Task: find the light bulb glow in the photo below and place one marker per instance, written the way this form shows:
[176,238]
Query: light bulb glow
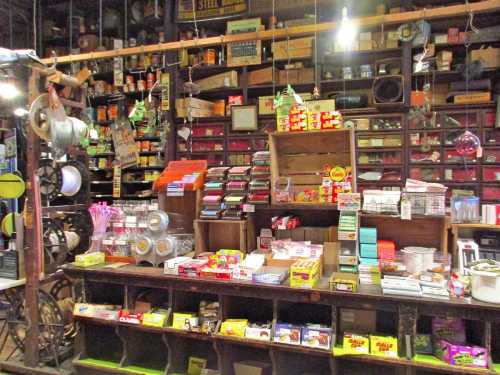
[20,112]
[8,91]
[347,31]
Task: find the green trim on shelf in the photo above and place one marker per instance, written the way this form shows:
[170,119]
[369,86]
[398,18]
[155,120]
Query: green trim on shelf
[338,351]
[496,367]
[432,360]
[116,366]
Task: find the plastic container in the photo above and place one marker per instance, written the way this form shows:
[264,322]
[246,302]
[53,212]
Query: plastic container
[485,282]
[418,259]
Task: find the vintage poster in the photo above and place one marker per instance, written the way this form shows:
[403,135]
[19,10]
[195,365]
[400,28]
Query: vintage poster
[125,148]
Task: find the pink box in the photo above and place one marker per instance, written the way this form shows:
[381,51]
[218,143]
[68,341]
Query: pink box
[462,355]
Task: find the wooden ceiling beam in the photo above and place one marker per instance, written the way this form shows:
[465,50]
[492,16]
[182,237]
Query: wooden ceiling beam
[486,6]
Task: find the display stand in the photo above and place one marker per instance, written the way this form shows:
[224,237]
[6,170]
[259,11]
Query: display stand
[212,235]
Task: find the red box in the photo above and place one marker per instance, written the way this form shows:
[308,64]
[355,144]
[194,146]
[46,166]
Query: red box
[386,249]
[453,35]
[192,268]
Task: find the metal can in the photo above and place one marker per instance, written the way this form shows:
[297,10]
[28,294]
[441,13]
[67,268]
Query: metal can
[141,85]
[209,56]
[101,113]
[145,146]
[129,78]
[113,111]
[143,161]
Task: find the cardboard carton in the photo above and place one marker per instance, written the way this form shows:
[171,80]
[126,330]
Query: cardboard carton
[261,76]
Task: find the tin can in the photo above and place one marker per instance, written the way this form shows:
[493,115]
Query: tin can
[143,161]
[113,111]
[145,146]
[101,113]
[129,78]
[141,85]
[209,56]
[347,72]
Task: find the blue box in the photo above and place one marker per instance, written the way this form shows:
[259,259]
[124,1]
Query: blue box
[368,250]
[368,261]
[367,235]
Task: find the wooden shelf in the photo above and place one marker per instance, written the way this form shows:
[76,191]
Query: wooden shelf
[295,206]
[476,226]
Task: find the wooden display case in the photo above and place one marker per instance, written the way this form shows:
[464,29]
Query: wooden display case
[213,235]
[302,156]
[398,316]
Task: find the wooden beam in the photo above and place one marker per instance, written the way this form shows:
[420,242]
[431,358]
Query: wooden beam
[486,6]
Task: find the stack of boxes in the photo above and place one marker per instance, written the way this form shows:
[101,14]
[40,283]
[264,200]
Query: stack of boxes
[236,189]
[369,268]
[213,193]
[259,187]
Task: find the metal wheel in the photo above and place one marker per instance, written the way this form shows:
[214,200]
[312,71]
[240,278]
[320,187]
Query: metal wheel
[55,248]
[50,179]
[51,325]
[79,222]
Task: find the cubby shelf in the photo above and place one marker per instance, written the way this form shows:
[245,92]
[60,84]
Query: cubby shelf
[280,298]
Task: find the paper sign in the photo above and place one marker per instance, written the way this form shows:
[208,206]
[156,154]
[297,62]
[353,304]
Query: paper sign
[248,208]
[125,146]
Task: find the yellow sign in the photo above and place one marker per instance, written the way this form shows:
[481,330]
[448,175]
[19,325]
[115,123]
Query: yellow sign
[338,174]
[208,9]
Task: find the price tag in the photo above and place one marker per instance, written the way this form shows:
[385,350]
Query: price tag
[142,224]
[107,242]
[248,208]
[121,242]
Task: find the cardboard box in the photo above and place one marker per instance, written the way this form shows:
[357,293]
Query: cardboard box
[385,346]
[199,107]
[473,98]
[261,76]
[444,56]
[293,48]
[344,282]
[222,80]
[266,103]
[317,235]
[365,45]
[489,56]
[356,344]
[305,273]
[361,321]
[317,337]
[252,368]
[286,333]
[196,365]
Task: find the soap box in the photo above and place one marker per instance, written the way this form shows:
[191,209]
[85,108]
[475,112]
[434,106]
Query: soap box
[462,355]
[385,346]
[287,334]
[368,250]
[368,235]
[257,333]
[356,344]
[317,337]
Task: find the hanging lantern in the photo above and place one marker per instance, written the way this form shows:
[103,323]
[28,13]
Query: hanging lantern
[467,143]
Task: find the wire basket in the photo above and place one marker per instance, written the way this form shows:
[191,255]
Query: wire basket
[426,203]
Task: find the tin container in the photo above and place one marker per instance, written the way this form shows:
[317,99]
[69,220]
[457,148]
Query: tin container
[129,78]
[113,111]
[209,56]
[102,113]
[100,88]
[347,72]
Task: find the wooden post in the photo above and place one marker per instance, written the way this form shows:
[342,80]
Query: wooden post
[33,249]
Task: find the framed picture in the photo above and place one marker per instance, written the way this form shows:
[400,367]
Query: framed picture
[244,118]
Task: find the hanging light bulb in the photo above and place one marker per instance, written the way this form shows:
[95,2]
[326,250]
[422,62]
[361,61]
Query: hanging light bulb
[8,90]
[347,31]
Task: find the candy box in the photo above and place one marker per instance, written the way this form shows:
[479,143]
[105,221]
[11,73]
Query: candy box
[90,259]
[356,344]
[192,268]
[305,273]
[216,273]
[449,329]
[171,266]
[156,318]
[184,321]
[107,312]
[344,282]
[287,334]
[258,333]
[128,317]
[234,327]
[423,344]
[317,337]
[385,346]
[462,355]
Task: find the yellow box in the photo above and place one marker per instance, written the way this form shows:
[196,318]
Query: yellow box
[155,319]
[305,273]
[385,346]
[356,344]
[184,320]
[90,259]
[196,365]
[234,327]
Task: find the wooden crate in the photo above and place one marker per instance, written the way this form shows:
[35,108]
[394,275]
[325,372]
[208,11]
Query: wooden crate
[213,235]
[186,207]
[303,155]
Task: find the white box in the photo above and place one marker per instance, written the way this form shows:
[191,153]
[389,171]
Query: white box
[172,265]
